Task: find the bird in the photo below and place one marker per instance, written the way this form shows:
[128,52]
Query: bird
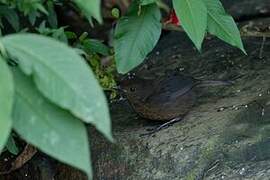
[168,98]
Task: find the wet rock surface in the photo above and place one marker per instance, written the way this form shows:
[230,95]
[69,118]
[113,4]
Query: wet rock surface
[225,136]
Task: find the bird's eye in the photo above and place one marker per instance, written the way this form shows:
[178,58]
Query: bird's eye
[132,89]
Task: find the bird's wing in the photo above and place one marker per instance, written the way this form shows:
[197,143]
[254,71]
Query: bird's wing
[170,88]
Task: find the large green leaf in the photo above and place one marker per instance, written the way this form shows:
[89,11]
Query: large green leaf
[135,36]
[222,25]
[6,102]
[91,8]
[193,17]
[50,128]
[62,76]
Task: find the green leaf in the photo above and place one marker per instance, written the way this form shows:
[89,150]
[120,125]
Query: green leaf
[62,76]
[40,7]
[48,127]
[135,36]
[146,2]
[95,46]
[32,17]
[222,25]
[91,8]
[193,18]
[11,145]
[11,16]
[6,102]
[52,16]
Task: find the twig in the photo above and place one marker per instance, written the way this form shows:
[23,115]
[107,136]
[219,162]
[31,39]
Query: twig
[255,34]
[261,48]
[171,27]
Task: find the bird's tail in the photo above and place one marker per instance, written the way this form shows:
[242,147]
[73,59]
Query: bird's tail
[206,83]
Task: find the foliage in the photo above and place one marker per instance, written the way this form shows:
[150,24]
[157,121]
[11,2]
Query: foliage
[48,75]
[11,146]
[103,68]
[90,9]
[6,100]
[136,35]
[196,17]
[222,25]
[58,33]
[47,126]
[193,15]
[104,74]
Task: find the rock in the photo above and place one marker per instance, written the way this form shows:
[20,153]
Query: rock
[247,9]
[243,9]
[226,136]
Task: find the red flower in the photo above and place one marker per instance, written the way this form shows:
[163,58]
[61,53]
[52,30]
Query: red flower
[172,19]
